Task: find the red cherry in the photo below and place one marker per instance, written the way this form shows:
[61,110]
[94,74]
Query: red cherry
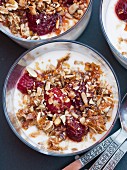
[42,23]
[121,9]
[27,83]
[59,104]
[75,130]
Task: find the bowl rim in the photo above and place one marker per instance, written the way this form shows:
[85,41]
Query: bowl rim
[50,152]
[52,38]
[113,48]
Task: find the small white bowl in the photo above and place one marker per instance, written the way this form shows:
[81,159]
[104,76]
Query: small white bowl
[103,12]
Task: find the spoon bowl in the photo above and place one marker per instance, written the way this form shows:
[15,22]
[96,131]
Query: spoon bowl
[123,113]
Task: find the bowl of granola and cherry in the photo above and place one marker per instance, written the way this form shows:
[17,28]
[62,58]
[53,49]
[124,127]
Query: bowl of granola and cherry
[61,98]
[30,22]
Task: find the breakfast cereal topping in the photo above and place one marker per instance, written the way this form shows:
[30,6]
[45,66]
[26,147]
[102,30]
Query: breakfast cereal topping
[31,19]
[64,103]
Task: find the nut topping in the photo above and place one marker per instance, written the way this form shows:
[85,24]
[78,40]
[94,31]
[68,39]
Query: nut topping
[64,103]
[41,17]
[31,72]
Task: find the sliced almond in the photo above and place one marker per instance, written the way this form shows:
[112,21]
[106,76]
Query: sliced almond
[99,101]
[84,98]
[67,113]
[72,94]
[57,121]
[57,24]
[67,100]
[63,118]
[74,115]
[50,101]
[106,109]
[39,91]
[47,86]
[82,120]
[49,127]
[67,15]
[54,117]
[73,8]
[38,116]
[31,72]
[69,76]
[91,102]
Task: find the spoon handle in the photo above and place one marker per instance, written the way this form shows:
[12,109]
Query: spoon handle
[93,153]
[97,150]
[106,155]
[116,157]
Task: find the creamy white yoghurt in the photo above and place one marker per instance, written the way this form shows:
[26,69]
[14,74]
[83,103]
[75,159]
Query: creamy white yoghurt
[115,29]
[38,138]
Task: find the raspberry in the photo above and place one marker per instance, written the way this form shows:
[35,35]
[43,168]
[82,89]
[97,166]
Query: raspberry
[58,105]
[47,23]
[121,9]
[27,83]
[75,130]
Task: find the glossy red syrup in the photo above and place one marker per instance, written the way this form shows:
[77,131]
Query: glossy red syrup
[42,23]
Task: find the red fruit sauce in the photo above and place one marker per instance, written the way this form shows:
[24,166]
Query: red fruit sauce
[47,23]
[75,130]
[27,83]
[58,97]
[121,9]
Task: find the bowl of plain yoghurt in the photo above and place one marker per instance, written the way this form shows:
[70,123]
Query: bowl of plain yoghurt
[31,22]
[61,98]
[113,17]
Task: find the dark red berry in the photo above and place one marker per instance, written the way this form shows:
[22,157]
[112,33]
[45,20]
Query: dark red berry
[75,130]
[42,23]
[77,100]
[27,82]
[58,98]
[68,2]
[121,9]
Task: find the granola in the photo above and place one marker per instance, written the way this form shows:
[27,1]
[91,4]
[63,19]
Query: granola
[32,19]
[64,103]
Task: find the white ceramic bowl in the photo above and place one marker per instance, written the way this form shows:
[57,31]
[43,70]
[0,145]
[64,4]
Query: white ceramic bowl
[71,34]
[103,12]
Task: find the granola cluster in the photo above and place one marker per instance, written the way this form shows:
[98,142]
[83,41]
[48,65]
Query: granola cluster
[65,104]
[31,19]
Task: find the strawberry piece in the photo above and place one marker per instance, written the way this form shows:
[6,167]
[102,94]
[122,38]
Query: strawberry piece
[75,130]
[27,82]
[58,105]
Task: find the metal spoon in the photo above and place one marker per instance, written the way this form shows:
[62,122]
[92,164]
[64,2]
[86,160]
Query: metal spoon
[106,155]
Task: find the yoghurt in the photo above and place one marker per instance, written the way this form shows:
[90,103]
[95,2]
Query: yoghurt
[43,139]
[116,26]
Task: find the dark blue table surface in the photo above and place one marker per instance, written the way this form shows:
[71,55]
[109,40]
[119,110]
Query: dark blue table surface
[15,155]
